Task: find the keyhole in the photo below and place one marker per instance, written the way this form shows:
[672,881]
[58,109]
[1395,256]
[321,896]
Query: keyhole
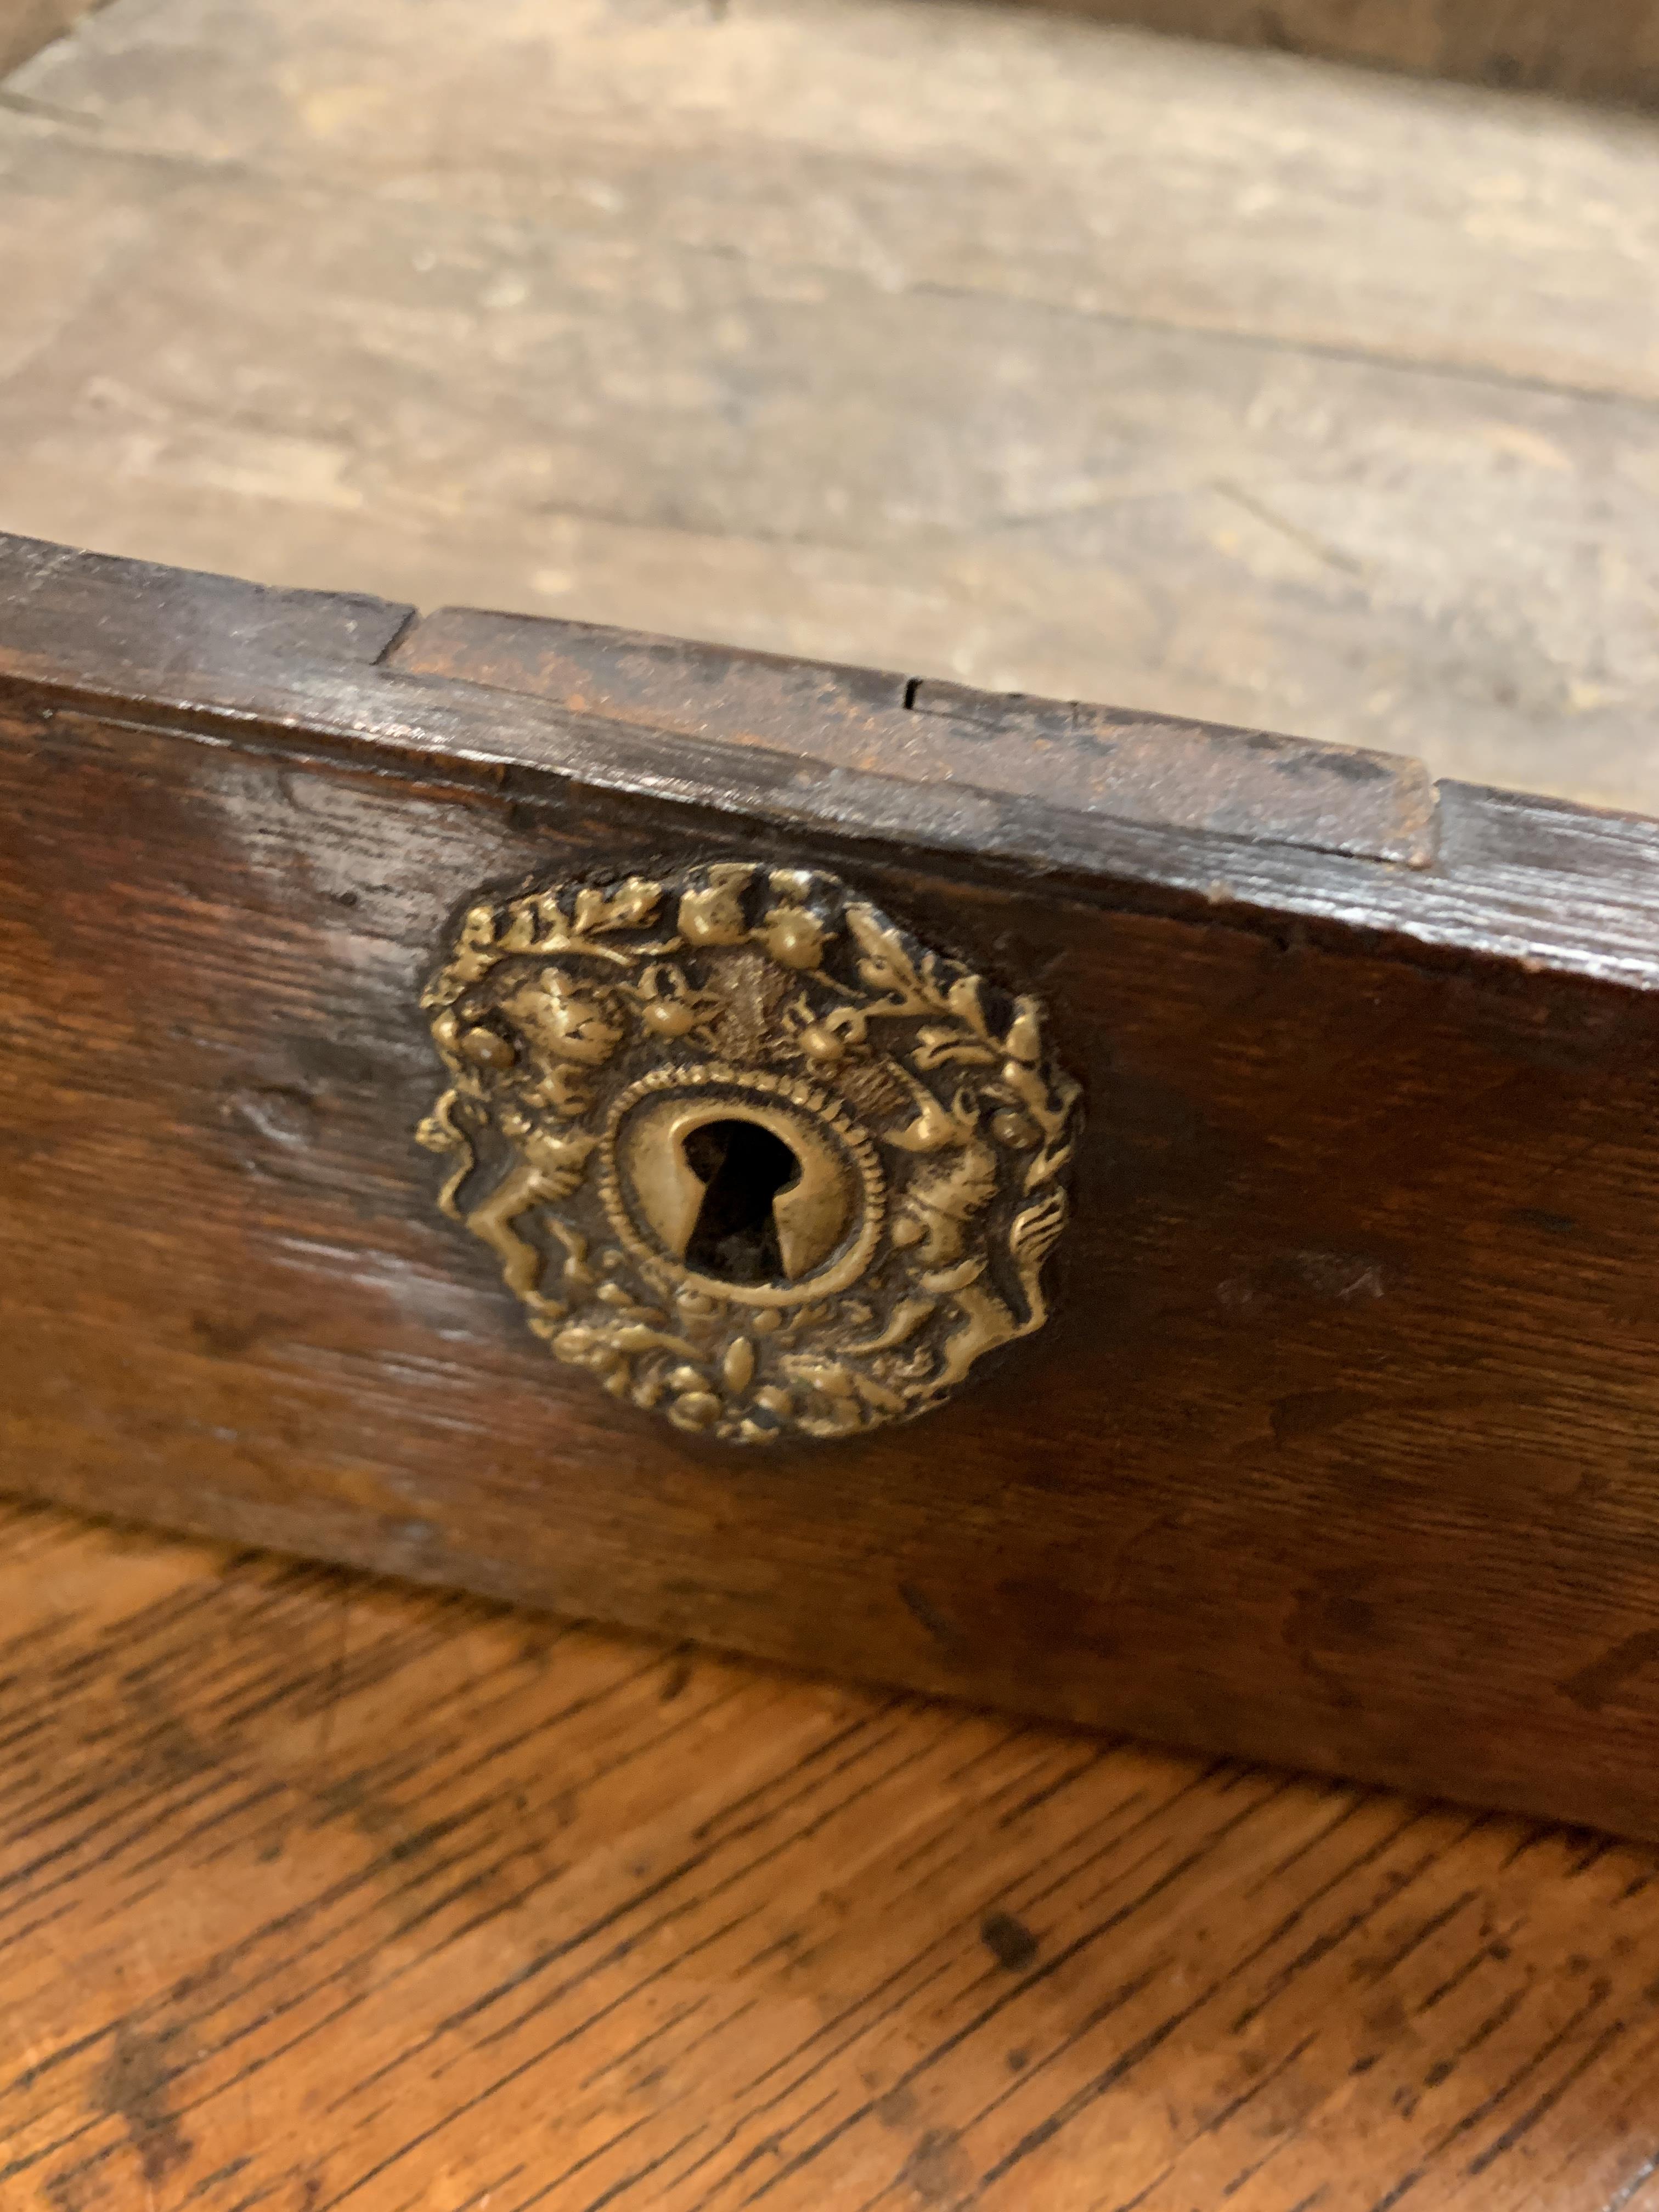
[743,1167]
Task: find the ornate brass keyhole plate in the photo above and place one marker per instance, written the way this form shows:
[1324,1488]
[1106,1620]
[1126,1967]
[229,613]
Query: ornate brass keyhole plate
[746,1149]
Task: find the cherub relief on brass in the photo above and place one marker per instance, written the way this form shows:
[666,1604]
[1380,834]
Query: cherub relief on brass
[744,1148]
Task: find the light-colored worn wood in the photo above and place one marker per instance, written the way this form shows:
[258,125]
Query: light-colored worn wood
[981,345]
[916,148]
[316,1891]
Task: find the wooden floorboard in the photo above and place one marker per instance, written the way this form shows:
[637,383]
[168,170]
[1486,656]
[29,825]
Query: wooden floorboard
[316,1891]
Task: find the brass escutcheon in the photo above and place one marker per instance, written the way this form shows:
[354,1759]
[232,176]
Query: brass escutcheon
[744,1148]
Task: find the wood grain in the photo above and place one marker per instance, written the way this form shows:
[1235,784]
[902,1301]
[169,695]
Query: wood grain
[319,1893]
[1337,1450]
[1026,353]
[1124,767]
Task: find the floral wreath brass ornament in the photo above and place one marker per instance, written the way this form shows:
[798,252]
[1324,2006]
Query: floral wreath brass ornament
[744,1148]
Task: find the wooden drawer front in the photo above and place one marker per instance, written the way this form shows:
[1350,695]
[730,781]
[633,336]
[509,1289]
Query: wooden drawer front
[1339,1448]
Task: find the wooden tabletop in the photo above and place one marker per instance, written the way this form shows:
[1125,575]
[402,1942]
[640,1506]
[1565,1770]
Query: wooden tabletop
[322,1892]
[970,341]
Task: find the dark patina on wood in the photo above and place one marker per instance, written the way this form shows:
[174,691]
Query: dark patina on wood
[1606,50]
[1339,1448]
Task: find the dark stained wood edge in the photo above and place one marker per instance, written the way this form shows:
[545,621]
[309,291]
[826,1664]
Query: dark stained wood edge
[1167,772]
[1608,49]
[48,591]
[1539,884]
[27,26]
